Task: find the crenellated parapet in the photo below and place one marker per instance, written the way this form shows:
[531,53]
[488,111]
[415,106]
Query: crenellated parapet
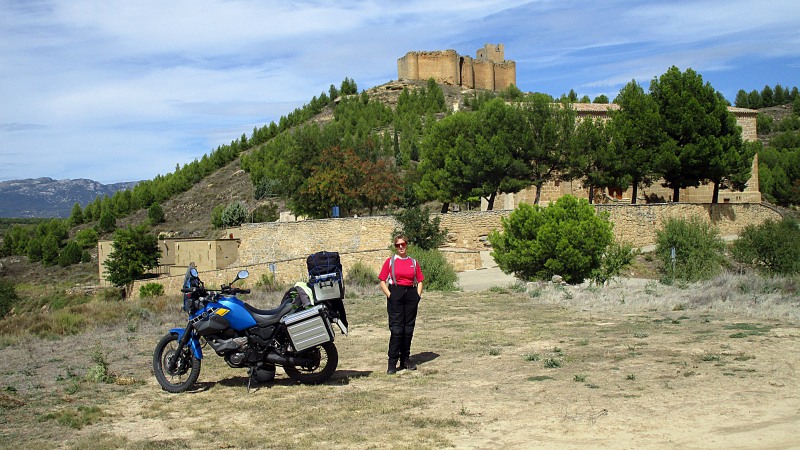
[488,70]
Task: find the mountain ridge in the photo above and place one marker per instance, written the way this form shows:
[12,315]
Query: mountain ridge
[46,197]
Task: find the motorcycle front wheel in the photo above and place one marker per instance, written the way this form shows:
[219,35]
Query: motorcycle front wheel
[186,371]
[326,358]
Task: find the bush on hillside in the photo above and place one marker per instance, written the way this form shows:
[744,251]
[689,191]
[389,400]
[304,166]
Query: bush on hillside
[566,238]
[151,290]
[8,297]
[439,274]
[361,274]
[773,247]
[234,215]
[698,249]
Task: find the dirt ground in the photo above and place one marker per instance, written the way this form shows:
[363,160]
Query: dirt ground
[633,365]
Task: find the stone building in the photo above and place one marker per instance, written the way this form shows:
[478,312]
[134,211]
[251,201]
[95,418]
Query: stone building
[488,70]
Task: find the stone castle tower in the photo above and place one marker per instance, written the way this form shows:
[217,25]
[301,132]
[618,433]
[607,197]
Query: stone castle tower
[488,70]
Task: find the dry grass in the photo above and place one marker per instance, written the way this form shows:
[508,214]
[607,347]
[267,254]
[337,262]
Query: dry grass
[636,364]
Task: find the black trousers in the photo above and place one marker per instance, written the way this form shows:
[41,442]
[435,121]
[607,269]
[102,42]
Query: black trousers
[402,308]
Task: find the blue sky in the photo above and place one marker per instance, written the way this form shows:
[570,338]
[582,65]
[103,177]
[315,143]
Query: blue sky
[125,90]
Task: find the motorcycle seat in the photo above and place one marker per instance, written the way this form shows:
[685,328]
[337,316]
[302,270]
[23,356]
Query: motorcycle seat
[266,317]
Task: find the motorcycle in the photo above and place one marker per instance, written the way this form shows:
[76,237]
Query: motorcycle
[297,335]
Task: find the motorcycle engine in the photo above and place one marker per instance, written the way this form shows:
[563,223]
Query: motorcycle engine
[236,358]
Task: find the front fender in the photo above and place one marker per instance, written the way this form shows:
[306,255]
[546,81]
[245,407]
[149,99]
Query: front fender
[194,342]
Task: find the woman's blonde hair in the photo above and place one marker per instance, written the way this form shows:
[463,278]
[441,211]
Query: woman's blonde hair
[398,237]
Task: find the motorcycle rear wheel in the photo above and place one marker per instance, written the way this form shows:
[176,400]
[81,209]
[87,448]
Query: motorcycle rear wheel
[326,357]
[186,372]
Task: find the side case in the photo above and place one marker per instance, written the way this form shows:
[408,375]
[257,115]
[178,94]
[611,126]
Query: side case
[308,328]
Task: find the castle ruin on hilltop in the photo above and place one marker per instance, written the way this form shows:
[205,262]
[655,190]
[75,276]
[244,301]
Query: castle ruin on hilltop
[488,70]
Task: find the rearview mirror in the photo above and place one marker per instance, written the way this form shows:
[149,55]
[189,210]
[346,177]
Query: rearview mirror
[242,274]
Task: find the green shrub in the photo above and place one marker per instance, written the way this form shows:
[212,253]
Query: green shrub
[439,274]
[698,249]
[615,259]
[419,228]
[70,254]
[234,215]
[269,283]
[8,297]
[266,213]
[216,216]
[566,238]
[151,290]
[773,247]
[361,274]
[155,214]
[86,238]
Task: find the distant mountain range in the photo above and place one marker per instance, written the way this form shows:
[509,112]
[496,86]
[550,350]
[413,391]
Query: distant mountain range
[49,198]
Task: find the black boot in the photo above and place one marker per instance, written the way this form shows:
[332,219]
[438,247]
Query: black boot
[392,366]
[406,363]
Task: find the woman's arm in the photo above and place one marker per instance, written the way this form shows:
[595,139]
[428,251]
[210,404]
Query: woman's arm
[385,289]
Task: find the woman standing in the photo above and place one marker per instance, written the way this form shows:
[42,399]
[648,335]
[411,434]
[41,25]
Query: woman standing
[401,281]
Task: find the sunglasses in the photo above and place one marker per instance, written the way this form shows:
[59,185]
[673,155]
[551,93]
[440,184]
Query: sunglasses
[401,244]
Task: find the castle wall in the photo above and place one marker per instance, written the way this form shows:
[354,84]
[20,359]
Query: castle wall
[505,74]
[442,66]
[467,72]
[408,66]
[489,70]
[484,74]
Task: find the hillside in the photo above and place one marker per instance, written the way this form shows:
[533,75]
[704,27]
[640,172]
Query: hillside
[189,214]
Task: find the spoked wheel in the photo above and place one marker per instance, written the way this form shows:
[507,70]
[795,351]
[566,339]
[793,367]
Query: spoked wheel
[186,371]
[326,358]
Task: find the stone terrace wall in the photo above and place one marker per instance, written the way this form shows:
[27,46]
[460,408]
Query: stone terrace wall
[286,245]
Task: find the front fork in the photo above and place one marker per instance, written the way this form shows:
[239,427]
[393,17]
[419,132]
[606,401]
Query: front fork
[185,336]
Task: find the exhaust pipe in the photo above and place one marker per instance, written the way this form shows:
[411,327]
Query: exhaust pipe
[280,360]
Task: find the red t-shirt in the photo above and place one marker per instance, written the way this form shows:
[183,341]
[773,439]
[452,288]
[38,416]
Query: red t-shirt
[403,270]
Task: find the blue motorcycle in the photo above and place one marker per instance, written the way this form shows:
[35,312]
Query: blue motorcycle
[297,335]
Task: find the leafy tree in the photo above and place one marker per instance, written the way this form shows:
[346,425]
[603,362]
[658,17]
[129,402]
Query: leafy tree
[592,159]
[107,223]
[547,140]
[349,87]
[135,251]
[566,238]
[475,154]
[703,141]
[76,216]
[421,231]
[234,215]
[155,214]
[86,238]
[638,136]
[773,247]
[70,254]
[8,297]
[216,216]
[602,98]
[34,250]
[50,250]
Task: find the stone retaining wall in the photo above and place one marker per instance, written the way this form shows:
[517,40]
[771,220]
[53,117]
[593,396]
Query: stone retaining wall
[285,246]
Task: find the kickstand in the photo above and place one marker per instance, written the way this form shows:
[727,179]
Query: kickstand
[250,373]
